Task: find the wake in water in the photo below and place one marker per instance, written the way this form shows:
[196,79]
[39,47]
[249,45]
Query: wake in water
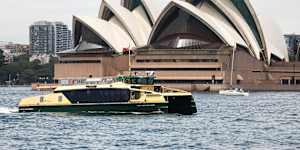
[8,110]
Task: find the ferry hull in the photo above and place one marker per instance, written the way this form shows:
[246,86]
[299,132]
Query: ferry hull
[107,108]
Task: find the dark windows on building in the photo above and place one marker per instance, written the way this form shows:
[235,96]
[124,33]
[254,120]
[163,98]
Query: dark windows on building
[175,60]
[84,34]
[91,37]
[180,30]
[291,81]
[80,61]
[176,69]
[189,81]
[285,82]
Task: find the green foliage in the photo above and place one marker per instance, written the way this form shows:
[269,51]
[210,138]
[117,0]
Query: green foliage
[2,57]
[23,72]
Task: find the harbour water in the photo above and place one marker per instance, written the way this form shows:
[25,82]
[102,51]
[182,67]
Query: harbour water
[264,120]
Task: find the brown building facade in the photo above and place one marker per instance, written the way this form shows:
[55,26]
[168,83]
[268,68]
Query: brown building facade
[193,70]
[76,68]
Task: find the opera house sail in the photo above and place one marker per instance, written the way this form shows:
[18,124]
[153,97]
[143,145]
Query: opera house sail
[189,44]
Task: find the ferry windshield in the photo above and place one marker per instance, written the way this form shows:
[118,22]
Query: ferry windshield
[137,80]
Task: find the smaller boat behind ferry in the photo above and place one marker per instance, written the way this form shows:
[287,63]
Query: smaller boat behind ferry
[125,94]
[234,92]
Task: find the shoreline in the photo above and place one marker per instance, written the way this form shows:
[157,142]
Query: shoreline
[15,85]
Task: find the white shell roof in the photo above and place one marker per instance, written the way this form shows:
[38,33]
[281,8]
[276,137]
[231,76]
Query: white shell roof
[254,15]
[275,43]
[132,28]
[206,15]
[236,18]
[155,7]
[112,34]
[138,31]
[223,24]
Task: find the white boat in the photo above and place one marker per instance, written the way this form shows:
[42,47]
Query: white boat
[234,92]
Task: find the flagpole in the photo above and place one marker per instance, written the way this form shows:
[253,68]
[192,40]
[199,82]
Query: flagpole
[232,65]
[129,59]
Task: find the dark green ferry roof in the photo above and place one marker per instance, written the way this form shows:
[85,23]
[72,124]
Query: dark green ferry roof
[133,79]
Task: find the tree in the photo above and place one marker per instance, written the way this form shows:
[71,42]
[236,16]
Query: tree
[28,76]
[2,57]
[22,71]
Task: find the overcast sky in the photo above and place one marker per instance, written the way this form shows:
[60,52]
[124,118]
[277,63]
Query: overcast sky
[17,15]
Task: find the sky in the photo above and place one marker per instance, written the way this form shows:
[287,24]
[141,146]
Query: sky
[17,15]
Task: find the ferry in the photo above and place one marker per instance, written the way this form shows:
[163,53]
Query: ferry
[126,94]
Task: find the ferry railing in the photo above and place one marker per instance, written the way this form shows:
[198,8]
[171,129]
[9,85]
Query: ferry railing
[103,80]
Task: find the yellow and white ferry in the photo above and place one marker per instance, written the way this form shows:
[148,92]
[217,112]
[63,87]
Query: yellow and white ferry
[127,94]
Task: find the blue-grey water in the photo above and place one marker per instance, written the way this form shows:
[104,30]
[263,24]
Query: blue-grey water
[264,120]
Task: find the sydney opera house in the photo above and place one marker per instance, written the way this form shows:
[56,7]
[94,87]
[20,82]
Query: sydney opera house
[191,44]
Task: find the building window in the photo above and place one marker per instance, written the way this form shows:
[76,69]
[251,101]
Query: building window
[298,82]
[285,82]
[292,81]
[80,61]
[189,81]
[176,69]
[175,60]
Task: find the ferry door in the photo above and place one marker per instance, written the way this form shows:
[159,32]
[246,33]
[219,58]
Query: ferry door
[135,95]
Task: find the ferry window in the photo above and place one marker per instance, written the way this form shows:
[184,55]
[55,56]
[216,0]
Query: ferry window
[60,98]
[98,95]
[142,81]
[41,99]
[135,95]
[134,81]
[157,89]
[151,81]
[88,92]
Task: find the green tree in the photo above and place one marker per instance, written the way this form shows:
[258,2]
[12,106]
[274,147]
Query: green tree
[21,71]
[28,76]
[2,57]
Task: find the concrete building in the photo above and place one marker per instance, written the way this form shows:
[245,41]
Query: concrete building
[17,49]
[293,44]
[63,37]
[43,58]
[12,50]
[8,57]
[193,44]
[42,39]
[49,37]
